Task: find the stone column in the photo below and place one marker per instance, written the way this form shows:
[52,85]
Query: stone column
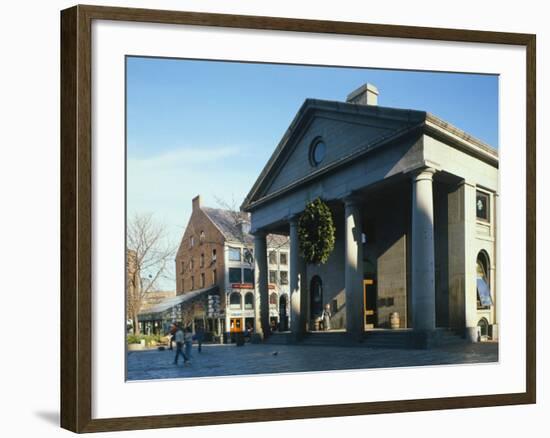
[354,267]
[470,261]
[297,272]
[423,272]
[261,285]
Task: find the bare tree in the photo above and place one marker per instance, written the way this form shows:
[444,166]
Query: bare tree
[149,258]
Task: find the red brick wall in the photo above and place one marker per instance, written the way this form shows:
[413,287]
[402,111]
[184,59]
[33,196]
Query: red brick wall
[213,239]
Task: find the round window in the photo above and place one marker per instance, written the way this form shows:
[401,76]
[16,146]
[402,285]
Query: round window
[318,152]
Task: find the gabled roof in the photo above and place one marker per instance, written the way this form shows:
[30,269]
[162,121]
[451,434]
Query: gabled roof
[410,121]
[227,222]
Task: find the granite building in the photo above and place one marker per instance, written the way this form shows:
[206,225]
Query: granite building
[415,202]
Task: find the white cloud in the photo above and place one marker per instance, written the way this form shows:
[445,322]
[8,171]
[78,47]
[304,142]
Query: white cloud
[182,158]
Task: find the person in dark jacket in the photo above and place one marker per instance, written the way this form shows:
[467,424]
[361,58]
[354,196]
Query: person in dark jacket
[199,336]
[180,339]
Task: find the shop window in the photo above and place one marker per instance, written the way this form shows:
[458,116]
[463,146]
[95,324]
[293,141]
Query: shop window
[235,300]
[235,275]
[249,301]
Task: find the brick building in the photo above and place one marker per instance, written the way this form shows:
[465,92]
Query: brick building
[215,260]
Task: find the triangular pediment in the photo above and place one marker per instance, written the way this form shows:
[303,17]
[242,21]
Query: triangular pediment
[345,129]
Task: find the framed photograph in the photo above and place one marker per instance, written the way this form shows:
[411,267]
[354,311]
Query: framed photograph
[285,219]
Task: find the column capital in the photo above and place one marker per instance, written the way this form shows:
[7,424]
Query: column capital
[293,218]
[259,234]
[351,199]
[425,173]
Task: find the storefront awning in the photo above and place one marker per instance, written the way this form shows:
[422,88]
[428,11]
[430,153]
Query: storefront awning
[163,310]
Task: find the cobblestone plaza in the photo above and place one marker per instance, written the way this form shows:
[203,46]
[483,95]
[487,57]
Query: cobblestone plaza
[230,360]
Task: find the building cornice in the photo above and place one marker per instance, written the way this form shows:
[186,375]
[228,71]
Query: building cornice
[422,122]
[460,139]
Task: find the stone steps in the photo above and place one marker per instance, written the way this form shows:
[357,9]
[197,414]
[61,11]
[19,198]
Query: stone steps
[403,339]
[328,338]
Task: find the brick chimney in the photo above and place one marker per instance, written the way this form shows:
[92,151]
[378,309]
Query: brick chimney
[196,202]
[366,94]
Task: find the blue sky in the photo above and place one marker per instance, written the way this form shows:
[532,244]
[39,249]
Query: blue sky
[208,127]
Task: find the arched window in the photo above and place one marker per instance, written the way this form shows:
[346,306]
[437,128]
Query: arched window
[483,329]
[235,300]
[484,299]
[273,299]
[201,237]
[249,300]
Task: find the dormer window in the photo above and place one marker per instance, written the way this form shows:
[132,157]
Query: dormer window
[317,152]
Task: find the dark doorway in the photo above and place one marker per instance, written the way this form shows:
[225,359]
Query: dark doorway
[316,299]
[369,302]
[283,315]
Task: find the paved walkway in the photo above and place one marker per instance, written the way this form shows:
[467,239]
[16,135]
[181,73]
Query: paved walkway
[226,360]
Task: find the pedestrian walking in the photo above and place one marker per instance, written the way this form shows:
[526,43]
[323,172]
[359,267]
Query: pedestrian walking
[325,317]
[180,339]
[199,336]
[188,340]
[171,335]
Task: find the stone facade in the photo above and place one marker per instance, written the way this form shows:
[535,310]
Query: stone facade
[414,200]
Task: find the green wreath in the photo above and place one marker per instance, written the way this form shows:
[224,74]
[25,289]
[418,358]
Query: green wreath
[316,232]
